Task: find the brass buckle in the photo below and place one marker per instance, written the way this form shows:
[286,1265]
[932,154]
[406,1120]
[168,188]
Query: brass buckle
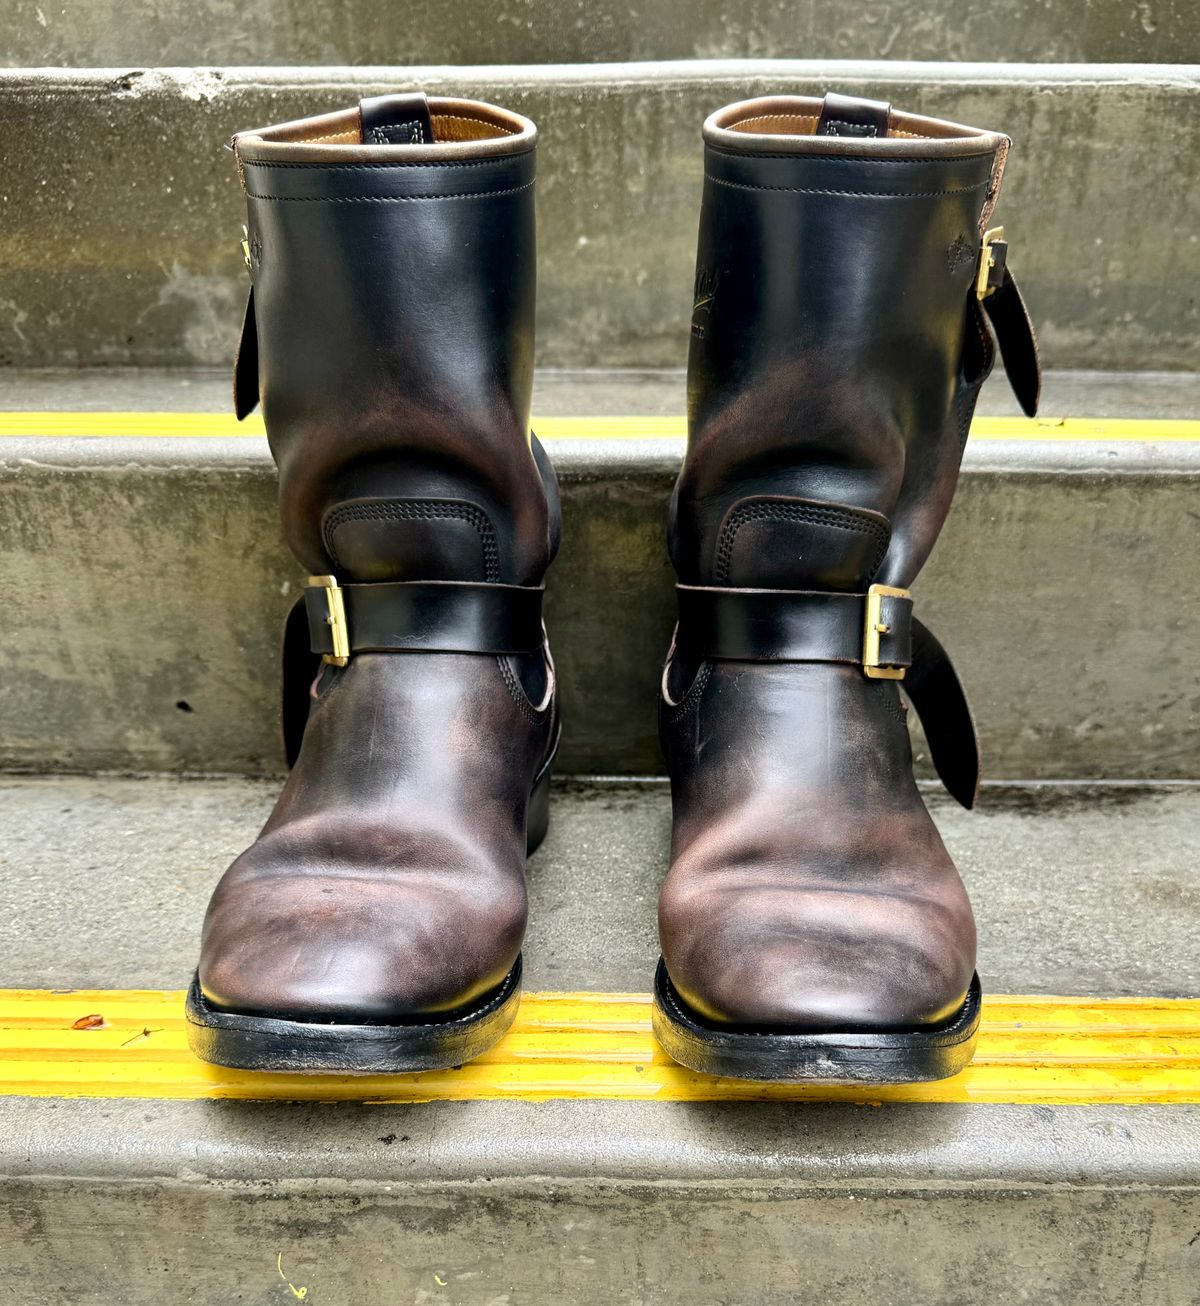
[335,619]
[993,254]
[876,626]
[246,247]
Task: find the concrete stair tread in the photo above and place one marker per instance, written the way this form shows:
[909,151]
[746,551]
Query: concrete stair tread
[582,392]
[1085,890]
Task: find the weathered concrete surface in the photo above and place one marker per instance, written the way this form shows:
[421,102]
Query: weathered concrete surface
[1076,889]
[542,1242]
[708,1204]
[122,247]
[577,392]
[144,584]
[113,32]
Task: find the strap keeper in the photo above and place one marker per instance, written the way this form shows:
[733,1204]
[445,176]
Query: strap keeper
[876,627]
[335,619]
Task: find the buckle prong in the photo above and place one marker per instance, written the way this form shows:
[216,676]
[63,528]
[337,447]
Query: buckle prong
[874,627]
[335,619]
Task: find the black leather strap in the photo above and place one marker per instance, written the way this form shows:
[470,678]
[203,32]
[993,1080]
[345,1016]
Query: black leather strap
[1018,345]
[813,626]
[754,625]
[245,364]
[431,617]
[934,689]
[847,115]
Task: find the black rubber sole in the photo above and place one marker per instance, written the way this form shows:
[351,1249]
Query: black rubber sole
[825,1057]
[244,1042]
[229,1038]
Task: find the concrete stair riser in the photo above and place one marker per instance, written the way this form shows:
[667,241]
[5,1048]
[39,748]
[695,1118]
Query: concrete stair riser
[77,32]
[120,243]
[145,584]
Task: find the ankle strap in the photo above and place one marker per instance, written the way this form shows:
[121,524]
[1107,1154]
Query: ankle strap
[870,630]
[875,630]
[444,616]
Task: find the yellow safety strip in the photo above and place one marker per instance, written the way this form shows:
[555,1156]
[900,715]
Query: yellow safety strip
[1046,1050]
[79,425]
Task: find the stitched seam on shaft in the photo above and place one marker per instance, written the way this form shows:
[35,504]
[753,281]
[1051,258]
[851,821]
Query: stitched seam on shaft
[368,167]
[890,700]
[387,199]
[517,690]
[690,702]
[420,512]
[857,194]
[841,158]
[790,512]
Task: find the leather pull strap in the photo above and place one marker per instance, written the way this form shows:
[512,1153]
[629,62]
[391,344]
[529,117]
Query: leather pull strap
[396,119]
[846,115]
[245,364]
[423,616]
[935,691]
[1018,345]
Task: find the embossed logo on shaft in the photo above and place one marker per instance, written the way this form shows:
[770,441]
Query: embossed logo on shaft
[960,254]
[704,297]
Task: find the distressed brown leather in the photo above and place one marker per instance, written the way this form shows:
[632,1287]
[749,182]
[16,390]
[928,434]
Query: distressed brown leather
[837,351]
[393,289]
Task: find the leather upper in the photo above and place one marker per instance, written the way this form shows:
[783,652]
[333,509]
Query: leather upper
[394,294]
[837,349]
[390,337]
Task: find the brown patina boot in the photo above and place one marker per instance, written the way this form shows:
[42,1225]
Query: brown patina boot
[376,923]
[813,926]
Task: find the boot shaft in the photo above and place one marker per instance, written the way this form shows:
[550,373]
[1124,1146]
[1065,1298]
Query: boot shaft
[837,343]
[392,255]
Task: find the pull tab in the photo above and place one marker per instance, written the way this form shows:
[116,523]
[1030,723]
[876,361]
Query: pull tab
[396,119]
[845,115]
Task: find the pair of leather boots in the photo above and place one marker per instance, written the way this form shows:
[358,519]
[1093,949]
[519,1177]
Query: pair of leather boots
[848,290]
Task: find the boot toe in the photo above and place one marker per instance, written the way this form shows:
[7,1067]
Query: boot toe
[366,948]
[816,959]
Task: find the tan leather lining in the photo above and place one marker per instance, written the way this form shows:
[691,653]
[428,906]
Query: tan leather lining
[787,124]
[463,129]
[460,127]
[783,124]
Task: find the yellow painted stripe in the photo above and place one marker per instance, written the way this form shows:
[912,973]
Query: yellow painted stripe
[83,425]
[599,1045]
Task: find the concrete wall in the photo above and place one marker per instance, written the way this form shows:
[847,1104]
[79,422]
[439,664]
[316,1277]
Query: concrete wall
[115,32]
[119,226]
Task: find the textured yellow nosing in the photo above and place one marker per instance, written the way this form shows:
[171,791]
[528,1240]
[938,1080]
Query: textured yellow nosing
[82,425]
[1044,1050]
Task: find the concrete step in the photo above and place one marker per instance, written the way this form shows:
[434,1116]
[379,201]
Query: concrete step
[1078,890]
[145,582]
[75,32]
[124,250]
